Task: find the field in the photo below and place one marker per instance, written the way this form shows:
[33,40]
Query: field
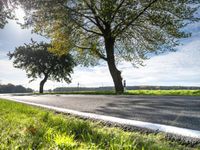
[165,92]
[27,127]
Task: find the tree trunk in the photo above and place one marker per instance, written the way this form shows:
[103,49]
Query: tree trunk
[115,73]
[42,83]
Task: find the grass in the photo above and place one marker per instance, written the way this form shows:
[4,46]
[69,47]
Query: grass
[27,127]
[139,92]
[165,92]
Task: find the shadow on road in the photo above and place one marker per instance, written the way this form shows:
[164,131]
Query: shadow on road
[177,111]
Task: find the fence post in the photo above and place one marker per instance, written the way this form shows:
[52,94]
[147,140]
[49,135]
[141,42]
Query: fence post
[124,85]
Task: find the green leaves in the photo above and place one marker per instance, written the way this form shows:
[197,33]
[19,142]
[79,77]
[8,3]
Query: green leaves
[4,13]
[139,27]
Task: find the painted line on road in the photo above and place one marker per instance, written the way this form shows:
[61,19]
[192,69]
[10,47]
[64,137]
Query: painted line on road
[147,125]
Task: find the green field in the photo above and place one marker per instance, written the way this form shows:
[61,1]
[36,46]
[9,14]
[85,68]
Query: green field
[27,127]
[139,92]
[165,92]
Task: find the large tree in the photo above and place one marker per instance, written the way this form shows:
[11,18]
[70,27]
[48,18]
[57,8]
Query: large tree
[39,62]
[112,30]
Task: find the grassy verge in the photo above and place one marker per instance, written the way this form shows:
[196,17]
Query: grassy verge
[165,92]
[139,92]
[26,127]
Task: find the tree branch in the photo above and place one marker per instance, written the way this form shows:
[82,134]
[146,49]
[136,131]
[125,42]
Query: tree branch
[134,19]
[88,30]
[96,51]
[85,16]
[97,18]
[91,31]
[79,13]
[116,10]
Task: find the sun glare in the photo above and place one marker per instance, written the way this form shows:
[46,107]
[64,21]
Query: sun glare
[19,14]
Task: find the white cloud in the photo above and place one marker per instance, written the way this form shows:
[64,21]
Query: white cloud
[176,68]
[97,76]
[8,74]
[13,36]
[3,54]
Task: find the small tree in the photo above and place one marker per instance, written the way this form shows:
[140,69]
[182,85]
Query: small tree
[39,62]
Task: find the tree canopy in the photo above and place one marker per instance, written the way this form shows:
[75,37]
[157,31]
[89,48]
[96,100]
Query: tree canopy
[6,8]
[112,30]
[3,13]
[37,61]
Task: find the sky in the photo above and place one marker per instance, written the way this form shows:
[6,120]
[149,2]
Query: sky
[180,68]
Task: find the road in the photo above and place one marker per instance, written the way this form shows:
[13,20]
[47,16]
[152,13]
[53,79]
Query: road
[180,111]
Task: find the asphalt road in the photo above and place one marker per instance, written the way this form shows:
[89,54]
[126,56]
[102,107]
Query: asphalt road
[180,111]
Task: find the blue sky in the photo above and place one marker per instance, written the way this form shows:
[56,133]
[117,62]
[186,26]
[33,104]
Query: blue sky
[181,68]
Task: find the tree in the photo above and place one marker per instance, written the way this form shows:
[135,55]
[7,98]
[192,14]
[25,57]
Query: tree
[6,8]
[3,14]
[10,88]
[39,62]
[112,30]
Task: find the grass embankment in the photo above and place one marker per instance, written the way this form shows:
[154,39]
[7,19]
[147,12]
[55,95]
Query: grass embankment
[27,127]
[139,92]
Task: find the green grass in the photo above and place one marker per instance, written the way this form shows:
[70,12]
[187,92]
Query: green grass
[165,92]
[138,92]
[26,127]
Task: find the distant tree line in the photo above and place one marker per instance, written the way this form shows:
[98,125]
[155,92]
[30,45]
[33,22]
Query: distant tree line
[71,89]
[110,88]
[10,88]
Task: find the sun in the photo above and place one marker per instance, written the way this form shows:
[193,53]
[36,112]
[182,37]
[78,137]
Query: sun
[19,14]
